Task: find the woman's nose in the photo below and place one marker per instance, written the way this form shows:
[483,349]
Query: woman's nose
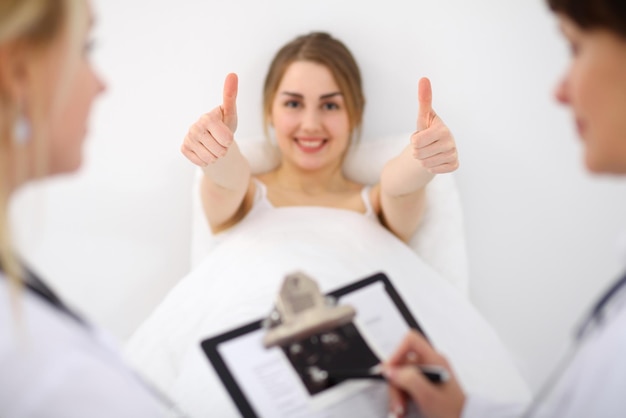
[310,120]
[561,93]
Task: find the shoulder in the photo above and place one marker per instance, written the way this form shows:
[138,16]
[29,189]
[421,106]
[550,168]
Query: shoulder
[600,363]
[39,345]
[26,319]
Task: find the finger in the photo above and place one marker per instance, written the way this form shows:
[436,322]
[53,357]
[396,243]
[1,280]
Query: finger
[416,343]
[191,156]
[212,146]
[397,402]
[406,346]
[410,380]
[220,136]
[436,148]
[446,157]
[444,168]
[201,159]
[229,100]
[208,154]
[431,150]
[421,139]
[425,113]
[212,128]
[438,131]
[209,137]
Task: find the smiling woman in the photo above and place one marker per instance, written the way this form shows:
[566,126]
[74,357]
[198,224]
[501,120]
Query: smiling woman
[313,104]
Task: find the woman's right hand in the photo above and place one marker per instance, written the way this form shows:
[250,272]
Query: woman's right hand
[434,400]
[210,137]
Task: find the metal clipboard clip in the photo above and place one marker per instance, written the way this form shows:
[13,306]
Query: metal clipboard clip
[320,339]
[301,310]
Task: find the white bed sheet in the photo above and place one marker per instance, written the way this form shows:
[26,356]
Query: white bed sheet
[237,283]
[439,240]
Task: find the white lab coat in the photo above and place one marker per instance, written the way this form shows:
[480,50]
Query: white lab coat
[53,366]
[592,383]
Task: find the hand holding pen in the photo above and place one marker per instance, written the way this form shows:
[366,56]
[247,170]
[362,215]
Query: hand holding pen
[408,382]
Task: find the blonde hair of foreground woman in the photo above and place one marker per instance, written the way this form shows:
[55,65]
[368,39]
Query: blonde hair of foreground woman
[41,120]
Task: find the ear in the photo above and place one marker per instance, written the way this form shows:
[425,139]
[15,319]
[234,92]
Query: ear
[13,70]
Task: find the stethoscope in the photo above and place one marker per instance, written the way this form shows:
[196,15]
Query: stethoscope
[610,299]
[32,282]
[602,306]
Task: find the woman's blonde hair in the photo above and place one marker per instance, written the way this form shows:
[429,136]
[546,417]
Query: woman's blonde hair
[32,26]
[320,48]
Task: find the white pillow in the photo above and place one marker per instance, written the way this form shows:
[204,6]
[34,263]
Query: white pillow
[440,239]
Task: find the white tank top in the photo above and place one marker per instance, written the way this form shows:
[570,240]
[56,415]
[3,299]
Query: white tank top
[261,202]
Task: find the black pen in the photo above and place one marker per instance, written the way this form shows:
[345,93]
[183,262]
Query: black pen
[434,373]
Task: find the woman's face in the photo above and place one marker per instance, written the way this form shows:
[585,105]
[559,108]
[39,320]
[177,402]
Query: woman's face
[594,87]
[310,118]
[70,117]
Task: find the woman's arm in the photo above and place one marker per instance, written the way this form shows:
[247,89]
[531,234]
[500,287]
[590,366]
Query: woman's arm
[210,145]
[401,194]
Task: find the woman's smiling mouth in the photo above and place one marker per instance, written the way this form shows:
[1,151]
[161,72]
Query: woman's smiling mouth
[309,144]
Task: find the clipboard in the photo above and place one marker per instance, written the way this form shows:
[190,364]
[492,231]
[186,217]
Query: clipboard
[230,354]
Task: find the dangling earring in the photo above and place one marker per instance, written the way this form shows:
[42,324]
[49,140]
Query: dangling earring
[22,130]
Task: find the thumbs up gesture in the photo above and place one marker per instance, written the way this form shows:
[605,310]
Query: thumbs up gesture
[209,138]
[433,143]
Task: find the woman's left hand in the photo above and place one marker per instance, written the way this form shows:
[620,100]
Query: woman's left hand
[433,143]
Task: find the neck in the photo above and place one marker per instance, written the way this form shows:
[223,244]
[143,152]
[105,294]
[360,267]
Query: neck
[15,168]
[293,178]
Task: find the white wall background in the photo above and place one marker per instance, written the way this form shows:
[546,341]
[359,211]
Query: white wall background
[541,232]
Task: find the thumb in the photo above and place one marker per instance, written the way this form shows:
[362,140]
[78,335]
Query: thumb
[410,380]
[229,100]
[425,114]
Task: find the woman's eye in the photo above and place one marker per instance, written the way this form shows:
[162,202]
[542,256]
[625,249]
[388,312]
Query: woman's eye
[292,104]
[330,106]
